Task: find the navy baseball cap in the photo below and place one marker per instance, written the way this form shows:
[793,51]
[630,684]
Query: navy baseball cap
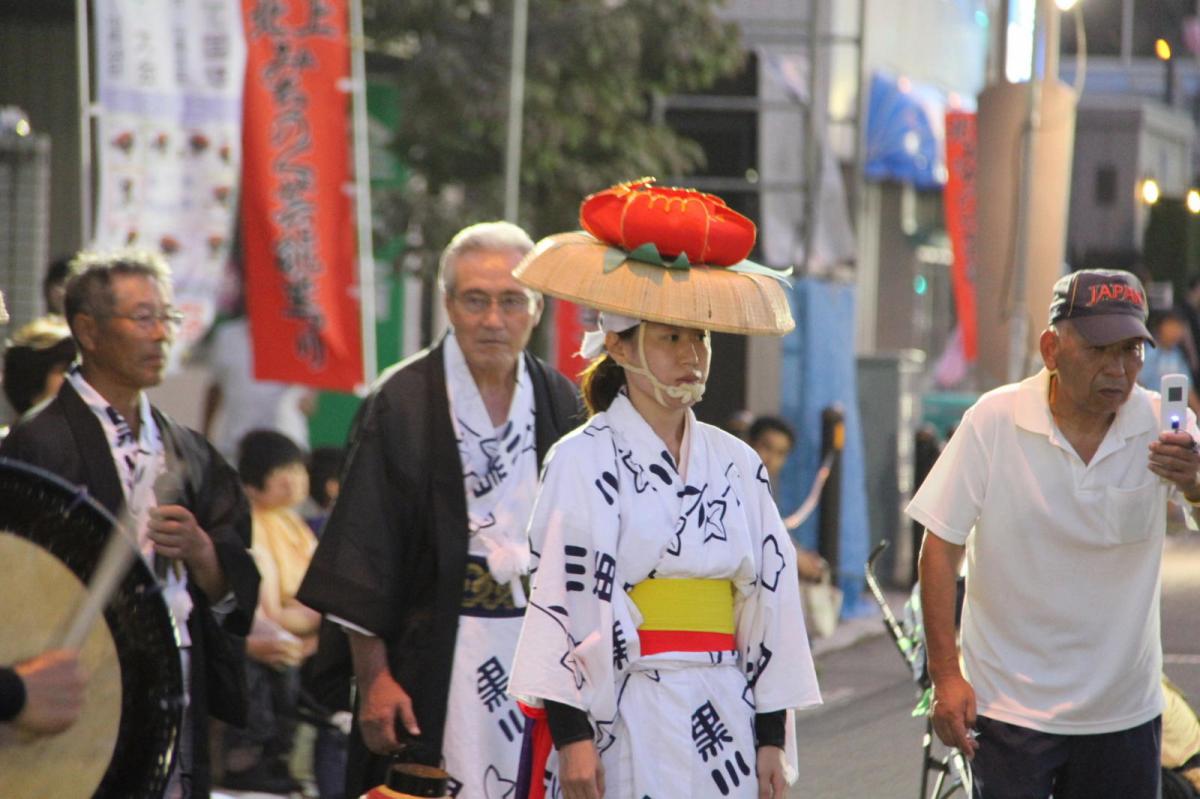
[1104,305]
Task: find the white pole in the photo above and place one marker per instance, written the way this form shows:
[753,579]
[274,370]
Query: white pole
[1001,64]
[516,111]
[814,119]
[1051,16]
[1018,319]
[362,192]
[85,124]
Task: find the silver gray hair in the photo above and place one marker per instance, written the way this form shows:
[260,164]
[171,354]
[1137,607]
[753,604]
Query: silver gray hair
[480,236]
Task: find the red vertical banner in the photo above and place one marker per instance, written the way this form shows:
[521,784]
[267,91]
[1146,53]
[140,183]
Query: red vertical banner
[962,221]
[568,335]
[298,232]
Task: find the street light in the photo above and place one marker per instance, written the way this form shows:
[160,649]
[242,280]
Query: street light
[1162,49]
[1193,201]
[1150,191]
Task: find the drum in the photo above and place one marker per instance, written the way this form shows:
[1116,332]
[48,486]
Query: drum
[123,746]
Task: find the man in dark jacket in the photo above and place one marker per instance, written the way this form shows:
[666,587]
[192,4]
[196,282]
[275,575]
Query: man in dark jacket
[101,432]
[424,555]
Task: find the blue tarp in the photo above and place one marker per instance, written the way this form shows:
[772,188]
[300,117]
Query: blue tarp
[905,132]
[818,370]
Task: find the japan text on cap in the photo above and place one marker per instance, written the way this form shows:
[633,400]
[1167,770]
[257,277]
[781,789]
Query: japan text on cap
[1104,305]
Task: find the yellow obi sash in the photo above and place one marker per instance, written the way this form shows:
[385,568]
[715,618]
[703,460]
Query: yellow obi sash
[684,615]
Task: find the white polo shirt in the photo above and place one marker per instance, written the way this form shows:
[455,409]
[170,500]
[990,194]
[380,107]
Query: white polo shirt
[1060,631]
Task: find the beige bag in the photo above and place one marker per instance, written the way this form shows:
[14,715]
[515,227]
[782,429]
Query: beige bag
[822,602]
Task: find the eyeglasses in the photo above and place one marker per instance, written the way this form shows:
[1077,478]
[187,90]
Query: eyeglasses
[511,304]
[145,319]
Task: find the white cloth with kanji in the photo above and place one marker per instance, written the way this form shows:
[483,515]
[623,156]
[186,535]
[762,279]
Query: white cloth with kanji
[615,509]
[482,739]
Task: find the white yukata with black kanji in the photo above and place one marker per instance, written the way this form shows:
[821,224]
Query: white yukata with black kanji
[484,726]
[614,510]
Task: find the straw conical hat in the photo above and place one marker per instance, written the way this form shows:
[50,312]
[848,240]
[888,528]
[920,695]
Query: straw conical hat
[662,254]
[580,268]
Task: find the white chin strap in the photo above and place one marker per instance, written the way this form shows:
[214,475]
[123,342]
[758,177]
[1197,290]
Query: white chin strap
[688,393]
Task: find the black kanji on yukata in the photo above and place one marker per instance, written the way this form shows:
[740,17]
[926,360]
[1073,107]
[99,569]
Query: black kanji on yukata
[491,682]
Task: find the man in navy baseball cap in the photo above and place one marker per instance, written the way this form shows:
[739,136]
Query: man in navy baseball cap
[1104,305]
[1050,489]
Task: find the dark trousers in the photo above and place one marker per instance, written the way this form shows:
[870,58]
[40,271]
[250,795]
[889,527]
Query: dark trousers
[270,730]
[329,763]
[1018,763]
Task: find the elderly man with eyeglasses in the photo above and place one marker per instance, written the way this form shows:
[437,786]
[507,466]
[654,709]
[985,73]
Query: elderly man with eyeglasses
[424,557]
[192,519]
[1056,491]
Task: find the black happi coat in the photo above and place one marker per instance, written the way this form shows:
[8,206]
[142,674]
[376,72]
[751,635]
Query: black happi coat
[392,557]
[64,437]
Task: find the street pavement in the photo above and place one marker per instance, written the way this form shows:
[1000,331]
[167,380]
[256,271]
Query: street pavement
[864,742]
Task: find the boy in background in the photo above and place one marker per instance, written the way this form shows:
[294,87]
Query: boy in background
[275,477]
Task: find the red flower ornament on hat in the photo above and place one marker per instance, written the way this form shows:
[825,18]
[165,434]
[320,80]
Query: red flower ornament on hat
[675,222]
[669,255]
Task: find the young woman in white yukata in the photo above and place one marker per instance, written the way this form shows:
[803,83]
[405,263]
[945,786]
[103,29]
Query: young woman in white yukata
[664,637]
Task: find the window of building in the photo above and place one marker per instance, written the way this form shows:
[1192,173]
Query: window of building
[1150,20]
[1106,185]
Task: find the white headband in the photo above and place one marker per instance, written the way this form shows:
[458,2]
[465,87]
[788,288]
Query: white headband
[592,345]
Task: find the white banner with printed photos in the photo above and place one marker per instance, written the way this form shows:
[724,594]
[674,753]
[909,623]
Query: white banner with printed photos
[169,88]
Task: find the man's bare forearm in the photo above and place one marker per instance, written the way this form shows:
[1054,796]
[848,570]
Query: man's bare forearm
[939,566]
[369,654]
[205,569]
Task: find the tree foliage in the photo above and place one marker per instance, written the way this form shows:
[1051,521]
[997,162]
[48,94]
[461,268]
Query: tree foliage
[593,68]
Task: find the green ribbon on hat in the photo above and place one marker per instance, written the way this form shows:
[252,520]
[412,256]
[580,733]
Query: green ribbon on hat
[748,267]
[648,253]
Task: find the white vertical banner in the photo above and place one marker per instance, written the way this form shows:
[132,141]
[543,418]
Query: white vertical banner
[169,77]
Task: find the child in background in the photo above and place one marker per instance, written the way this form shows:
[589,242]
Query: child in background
[36,361]
[324,482]
[1169,329]
[773,439]
[275,477]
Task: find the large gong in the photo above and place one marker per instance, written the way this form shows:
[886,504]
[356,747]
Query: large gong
[51,538]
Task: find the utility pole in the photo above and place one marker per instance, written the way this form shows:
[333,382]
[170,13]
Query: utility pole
[516,112]
[1023,193]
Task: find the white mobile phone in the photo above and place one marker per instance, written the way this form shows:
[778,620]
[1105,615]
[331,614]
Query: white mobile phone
[1173,393]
